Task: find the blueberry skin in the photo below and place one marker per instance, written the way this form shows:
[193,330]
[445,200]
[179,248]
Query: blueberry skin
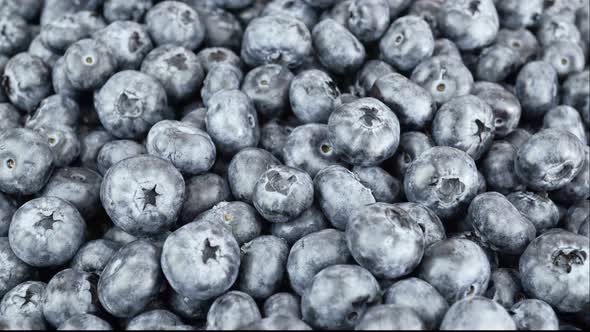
[114,151]
[443,46]
[25,81]
[156,320]
[94,256]
[520,40]
[268,88]
[565,56]
[129,103]
[339,193]
[566,118]
[143,195]
[537,88]
[575,94]
[411,145]
[53,110]
[504,104]
[278,39]
[337,48]
[534,314]
[188,308]
[90,145]
[283,193]
[262,266]
[223,29]
[223,76]
[22,322]
[431,226]
[371,71]
[189,149]
[69,28]
[470,25]
[233,4]
[497,166]
[88,64]
[68,294]
[385,188]
[78,185]
[339,12]
[131,279]
[245,169]
[384,257]
[128,42]
[444,77]
[28,9]
[122,10]
[177,69]
[328,302]
[465,123]
[13,270]
[61,83]
[490,316]
[240,218]
[212,56]
[417,294]
[314,252]
[273,137]
[549,159]
[443,179]
[555,28]
[202,193]
[413,105]
[278,322]
[196,117]
[232,311]
[577,219]
[24,299]
[313,95]
[282,304]
[321,3]
[7,209]
[407,42]
[496,63]
[515,15]
[10,117]
[186,255]
[425,9]
[310,221]
[390,317]
[539,210]
[84,322]
[53,9]
[176,23]
[457,268]
[368,20]
[63,141]
[518,137]
[298,9]
[505,287]
[499,224]
[554,268]
[374,127]
[38,49]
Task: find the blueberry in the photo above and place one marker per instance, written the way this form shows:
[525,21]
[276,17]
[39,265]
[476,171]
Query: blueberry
[385,188]
[310,221]
[534,314]
[54,9]
[88,64]
[278,322]
[416,294]
[223,76]
[55,110]
[539,210]
[397,6]
[321,3]
[470,24]
[128,42]
[504,104]
[262,266]
[497,166]
[576,95]
[337,48]
[407,42]
[24,299]
[273,137]
[176,23]
[16,34]
[339,12]
[313,95]
[9,116]
[223,29]
[444,77]
[143,195]
[431,226]
[554,268]
[298,9]
[232,121]
[566,118]
[390,317]
[329,303]
[85,322]
[577,219]
[520,40]
[413,105]
[565,56]
[537,88]
[119,236]
[68,294]
[505,287]
[462,316]
[282,304]
[240,218]
[46,231]
[555,29]
[202,193]
[518,137]
[245,169]
[312,253]
[114,151]
[122,10]
[541,167]
[212,56]
[28,9]
[339,193]
[399,246]
[156,320]
[496,63]
[201,260]
[232,4]
[22,322]
[129,103]
[25,81]
[445,47]
[231,311]
[94,256]
[425,9]
[7,208]
[368,20]
[38,49]
[371,71]
[268,88]
[68,28]
[13,270]
[90,145]
[63,141]
[411,145]
[61,83]
[189,309]
[196,117]
[77,185]
[277,39]
[515,15]
[3,61]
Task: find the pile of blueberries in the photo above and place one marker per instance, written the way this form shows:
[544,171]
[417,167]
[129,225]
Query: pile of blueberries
[294,164]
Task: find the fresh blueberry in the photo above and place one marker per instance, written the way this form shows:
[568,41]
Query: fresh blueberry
[90,145]
[278,322]
[534,314]
[476,313]
[565,118]
[518,137]
[339,12]
[24,299]
[245,169]
[124,10]
[575,94]
[89,64]
[156,320]
[273,137]
[63,141]
[313,95]
[337,48]
[496,63]
[94,256]
[25,81]
[390,317]
[223,29]
[407,42]
[223,76]
[445,47]
[189,309]
[553,29]
[298,9]
[231,311]
[69,28]
[371,71]
[128,42]
[470,24]
[537,88]
[22,322]
[212,56]
[444,77]
[202,193]
[497,166]
[196,117]
[521,41]
[176,23]
[84,322]
[54,9]
[28,9]
[282,304]
[38,49]
[201,260]
[61,84]
[579,188]
[310,221]
[431,226]
[268,88]
[539,210]
[240,218]
[565,56]
[368,20]
[505,287]
[385,188]
[425,9]
[15,34]
[55,110]
[577,219]
[411,145]
[13,270]
[114,151]
[9,116]
[7,209]
[504,104]
[517,14]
